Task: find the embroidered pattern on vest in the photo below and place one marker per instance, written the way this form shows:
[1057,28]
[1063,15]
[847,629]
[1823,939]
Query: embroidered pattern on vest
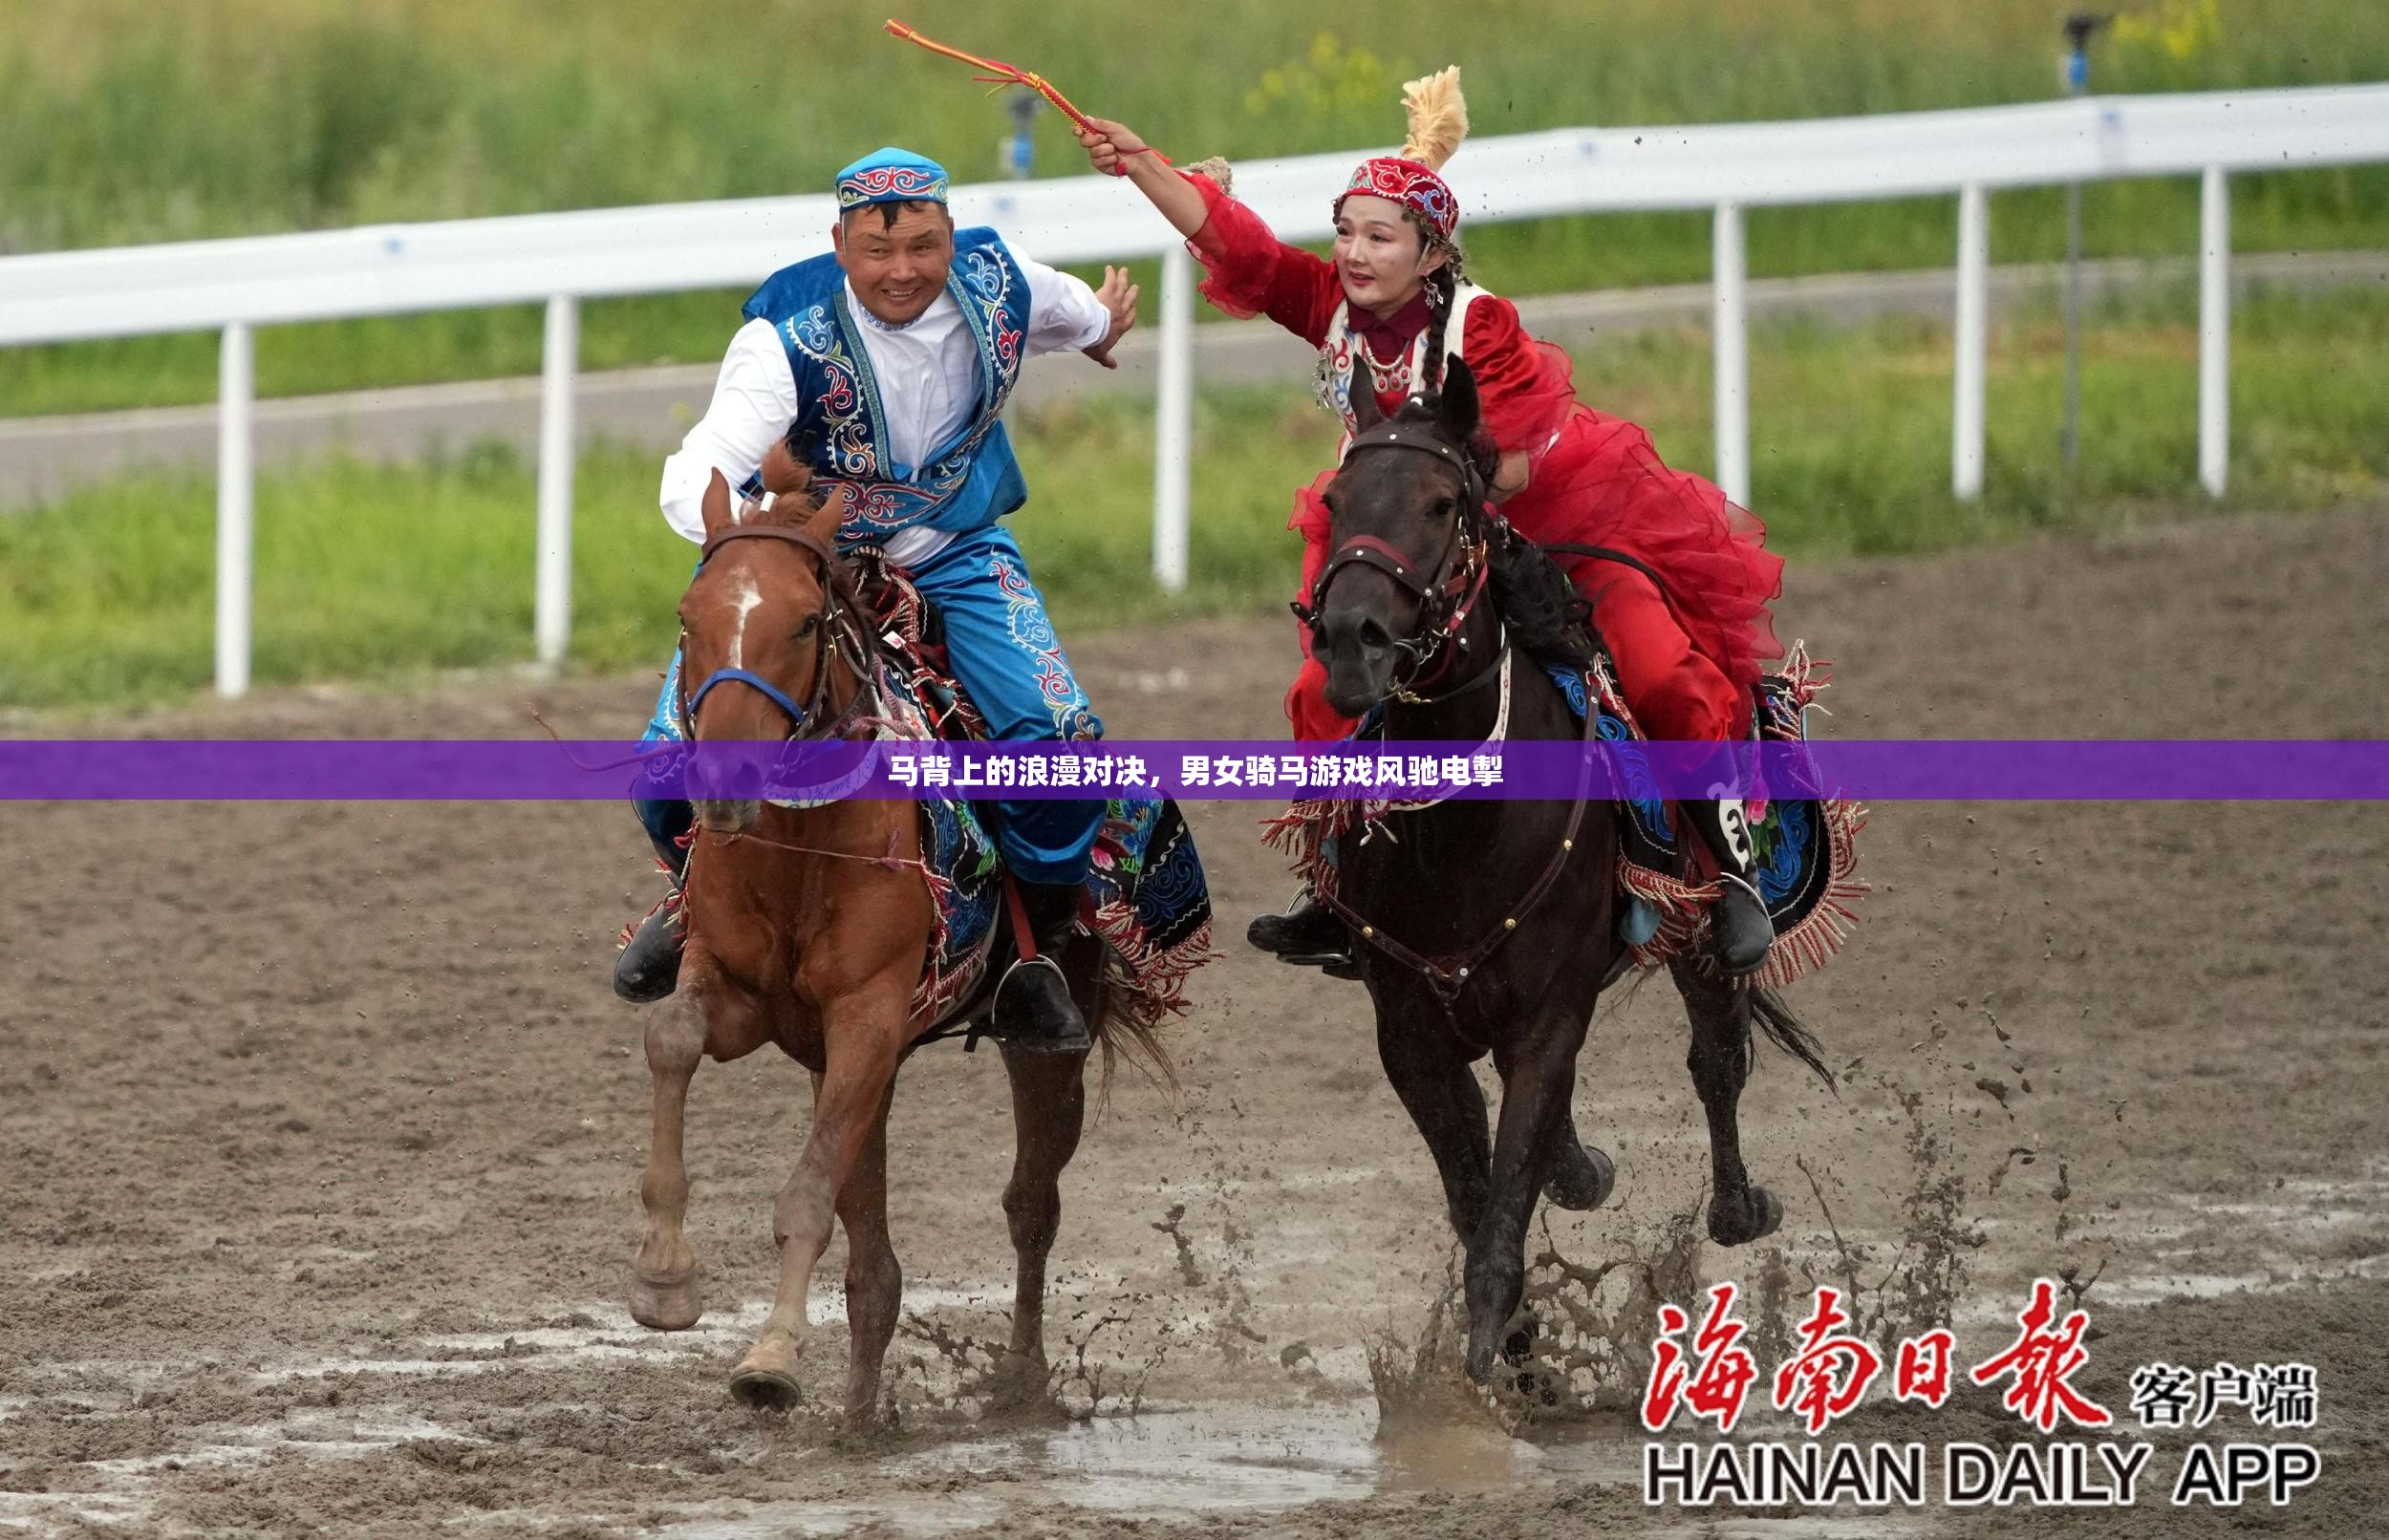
[851,424]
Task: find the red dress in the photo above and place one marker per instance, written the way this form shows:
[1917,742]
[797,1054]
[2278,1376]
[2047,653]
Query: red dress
[1688,657]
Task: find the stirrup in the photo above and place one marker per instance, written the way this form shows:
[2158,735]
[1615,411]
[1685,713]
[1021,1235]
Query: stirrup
[1055,1024]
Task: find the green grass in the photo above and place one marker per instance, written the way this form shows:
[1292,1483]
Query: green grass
[122,122]
[388,572]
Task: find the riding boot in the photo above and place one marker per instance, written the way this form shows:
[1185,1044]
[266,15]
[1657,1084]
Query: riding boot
[1740,929]
[1308,934]
[1033,1005]
[648,966]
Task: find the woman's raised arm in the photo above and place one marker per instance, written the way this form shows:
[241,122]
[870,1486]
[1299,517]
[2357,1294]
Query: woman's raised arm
[1114,150]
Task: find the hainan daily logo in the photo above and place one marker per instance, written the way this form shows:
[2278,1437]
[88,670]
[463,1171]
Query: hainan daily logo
[1705,1373]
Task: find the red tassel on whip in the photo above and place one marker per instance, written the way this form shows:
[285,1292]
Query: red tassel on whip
[1001,74]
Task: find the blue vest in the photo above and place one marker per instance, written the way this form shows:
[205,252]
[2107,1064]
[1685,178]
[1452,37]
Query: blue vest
[970,480]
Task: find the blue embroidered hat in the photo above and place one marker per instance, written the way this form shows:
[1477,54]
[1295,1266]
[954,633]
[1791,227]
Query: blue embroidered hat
[892,175]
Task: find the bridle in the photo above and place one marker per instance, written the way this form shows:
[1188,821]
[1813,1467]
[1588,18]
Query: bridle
[842,638]
[1448,591]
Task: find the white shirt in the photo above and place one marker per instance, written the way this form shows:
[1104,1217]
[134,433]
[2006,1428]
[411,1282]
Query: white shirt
[927,371]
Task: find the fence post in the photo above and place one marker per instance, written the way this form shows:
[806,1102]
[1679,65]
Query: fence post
[1730,335]
[1174,426]
[1973,313]
[2214,330]
[551,592]
[235,505]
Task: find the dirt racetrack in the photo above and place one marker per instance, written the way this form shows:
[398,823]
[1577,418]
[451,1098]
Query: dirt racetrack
[322,1129]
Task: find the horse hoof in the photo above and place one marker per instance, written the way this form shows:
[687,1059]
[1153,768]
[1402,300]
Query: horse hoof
[1581,1178]
[1759,1215]
[1485,1346]
[665,1304]
[767,1390]
[765,1379]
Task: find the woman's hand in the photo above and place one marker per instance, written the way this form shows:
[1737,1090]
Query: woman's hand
[1110,146]
[1509,479]
[1115,150]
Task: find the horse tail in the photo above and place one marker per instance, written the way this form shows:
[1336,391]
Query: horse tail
[1126,1026]
[1776,1020]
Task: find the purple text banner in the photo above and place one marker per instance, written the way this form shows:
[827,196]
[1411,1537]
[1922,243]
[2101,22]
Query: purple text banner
[1984,770]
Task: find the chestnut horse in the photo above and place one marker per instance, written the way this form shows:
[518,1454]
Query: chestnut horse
[1490,927]
[809,929]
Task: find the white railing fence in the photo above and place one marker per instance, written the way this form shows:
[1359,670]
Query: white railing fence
[562,259]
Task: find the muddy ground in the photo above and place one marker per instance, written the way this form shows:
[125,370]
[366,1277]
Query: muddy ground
[322,1129]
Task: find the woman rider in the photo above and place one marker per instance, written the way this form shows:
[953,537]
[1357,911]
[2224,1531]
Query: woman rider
[1685,622]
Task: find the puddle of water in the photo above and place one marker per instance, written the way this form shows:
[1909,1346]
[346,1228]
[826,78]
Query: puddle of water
[726,1329]
[1726,1526]
[2283,1228]
[307,1431]
[1181,1463]
[2157,1286]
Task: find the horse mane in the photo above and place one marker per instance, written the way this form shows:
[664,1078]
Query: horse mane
[792,511]
[1545,613]
[783,472]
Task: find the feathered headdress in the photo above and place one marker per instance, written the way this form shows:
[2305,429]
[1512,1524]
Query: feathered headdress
[1438,116]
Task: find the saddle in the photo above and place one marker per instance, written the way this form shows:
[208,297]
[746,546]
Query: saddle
[1146,899]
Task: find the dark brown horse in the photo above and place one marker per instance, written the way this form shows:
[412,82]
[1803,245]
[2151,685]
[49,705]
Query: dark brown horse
[809,929]
[1492,925]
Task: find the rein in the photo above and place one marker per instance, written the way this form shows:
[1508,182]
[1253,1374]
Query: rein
[889,862]
[1449,978]
[840,638]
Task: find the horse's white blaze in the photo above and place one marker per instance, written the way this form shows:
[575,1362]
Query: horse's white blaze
[747,598]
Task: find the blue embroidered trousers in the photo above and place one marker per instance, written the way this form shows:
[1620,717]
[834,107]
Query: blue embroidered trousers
[1004,652]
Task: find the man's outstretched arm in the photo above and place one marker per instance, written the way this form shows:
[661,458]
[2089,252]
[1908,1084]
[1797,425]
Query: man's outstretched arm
[1065,312]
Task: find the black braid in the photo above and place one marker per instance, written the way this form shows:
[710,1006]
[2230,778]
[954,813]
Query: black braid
[1443,292]
[1440,295]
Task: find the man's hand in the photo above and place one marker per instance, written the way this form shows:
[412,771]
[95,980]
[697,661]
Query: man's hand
[1118,296]
[1108,145]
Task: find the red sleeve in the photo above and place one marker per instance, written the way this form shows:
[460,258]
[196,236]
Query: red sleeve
[1252,272]
[1526,388]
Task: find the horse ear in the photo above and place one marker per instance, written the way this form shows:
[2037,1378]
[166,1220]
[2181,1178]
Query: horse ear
[1366,414]
[1456,408]
[828,513]
[716,505]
